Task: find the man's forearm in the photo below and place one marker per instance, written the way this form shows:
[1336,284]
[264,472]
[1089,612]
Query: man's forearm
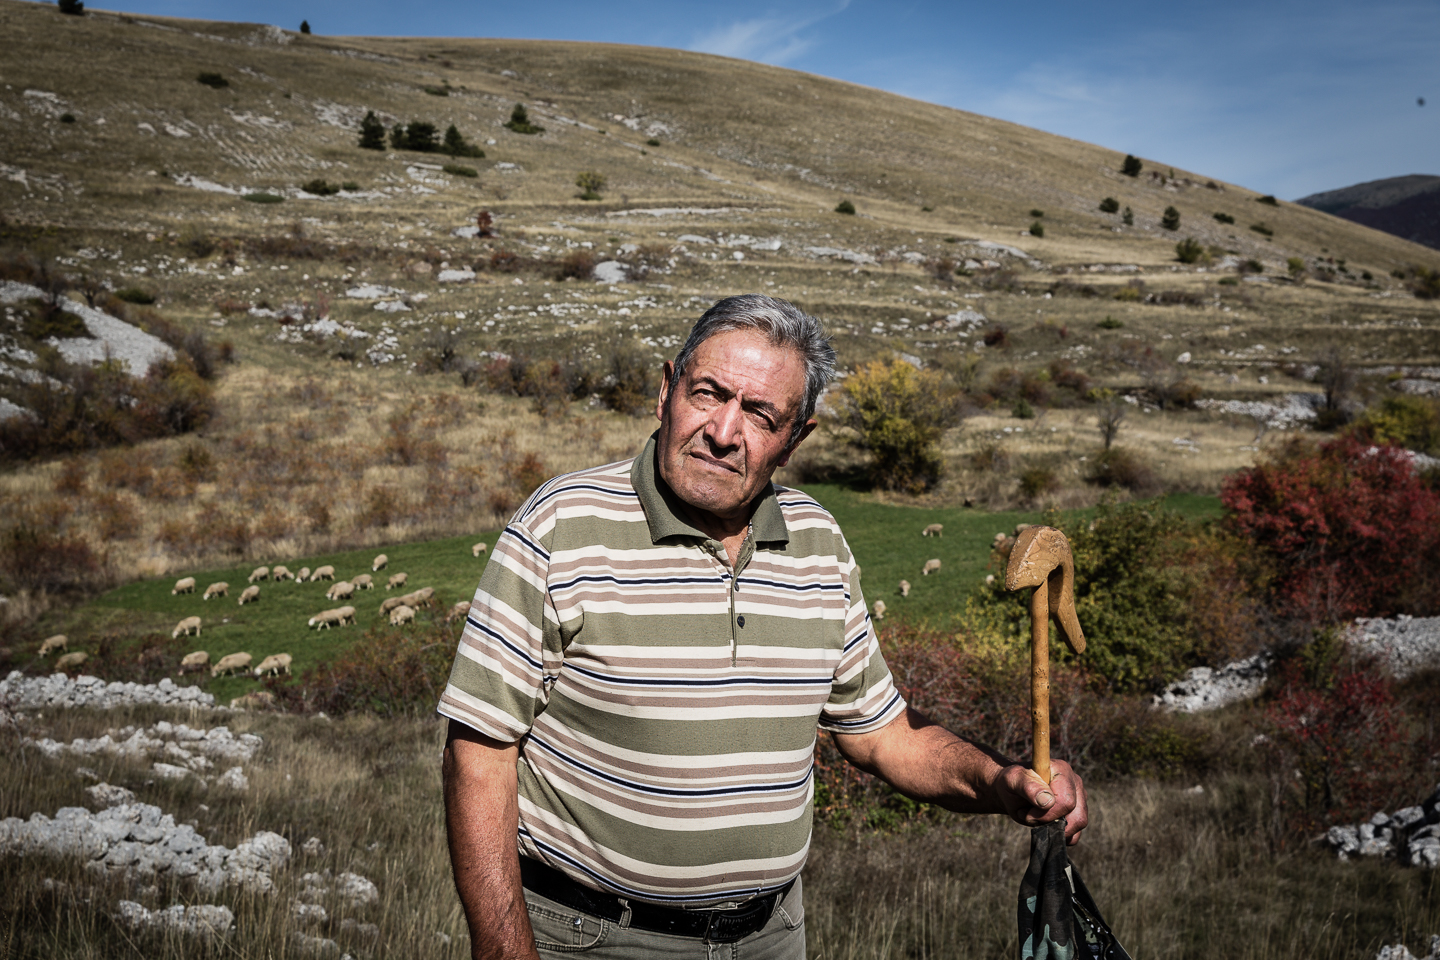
[481,819]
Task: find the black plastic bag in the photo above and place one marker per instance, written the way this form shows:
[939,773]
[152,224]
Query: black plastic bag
[1058,919]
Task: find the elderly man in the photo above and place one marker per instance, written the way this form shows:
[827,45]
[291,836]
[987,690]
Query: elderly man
[634,702]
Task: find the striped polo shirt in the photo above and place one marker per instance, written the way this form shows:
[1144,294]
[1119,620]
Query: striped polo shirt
[666,707]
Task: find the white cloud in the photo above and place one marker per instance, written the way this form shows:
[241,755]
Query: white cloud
[773,40]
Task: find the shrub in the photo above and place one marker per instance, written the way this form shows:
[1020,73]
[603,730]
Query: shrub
[845,206]
[590,184]
[1224,218]
[305,27]
[214,80]
[652,142]
[1404,421]
[630,383]
[388,672]
[1128,217]
[263,198]
[997,336]
[454,169]
[135,295]
[1331,522]
[372,132]
[1296,266]
[1129,294]
[1170,219]
[1037,229]
[456,145]
[67,118]
[72,8]
[1022,410]
[320,188]
[1037,214]
[1038,480]
[1109,205]
[1268,199]
[437,91]
[520,121]
[1118,467]
[1262,229]
[1132,166]
[1110,323]
[46,561]
[1426,285]
[349,186]
[1251,266]
[1189,250]
[577,264]
[897,414]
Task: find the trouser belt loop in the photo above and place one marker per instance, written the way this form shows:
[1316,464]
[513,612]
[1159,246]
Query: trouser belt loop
[624,920]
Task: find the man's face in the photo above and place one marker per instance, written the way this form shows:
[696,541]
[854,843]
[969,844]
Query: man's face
[725,425]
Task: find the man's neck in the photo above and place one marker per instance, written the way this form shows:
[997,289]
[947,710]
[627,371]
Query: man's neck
[730,532]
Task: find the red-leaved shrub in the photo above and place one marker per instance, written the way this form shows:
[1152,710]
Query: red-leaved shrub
[1349,530]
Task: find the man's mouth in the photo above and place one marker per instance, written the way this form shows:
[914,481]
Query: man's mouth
[715,462]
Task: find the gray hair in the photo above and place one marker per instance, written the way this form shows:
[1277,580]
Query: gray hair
[785,325]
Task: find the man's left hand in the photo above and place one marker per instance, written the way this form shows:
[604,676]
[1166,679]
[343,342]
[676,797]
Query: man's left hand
[1029,800]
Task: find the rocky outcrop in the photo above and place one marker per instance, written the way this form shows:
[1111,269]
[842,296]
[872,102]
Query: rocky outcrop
[58,690]
[1411,835]
[1405,645]
[203,920]
[177,749]
[138,840]
[1209,688]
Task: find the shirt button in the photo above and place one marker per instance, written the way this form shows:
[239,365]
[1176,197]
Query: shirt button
[741,621]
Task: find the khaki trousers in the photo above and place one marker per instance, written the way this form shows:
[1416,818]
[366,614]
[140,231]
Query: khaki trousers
[565,931]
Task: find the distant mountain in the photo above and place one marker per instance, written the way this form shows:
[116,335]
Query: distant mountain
[1407,207]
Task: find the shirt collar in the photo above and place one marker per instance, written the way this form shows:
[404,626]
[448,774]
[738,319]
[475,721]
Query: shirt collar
[666,516]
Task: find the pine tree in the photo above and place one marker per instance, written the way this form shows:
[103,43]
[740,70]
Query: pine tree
[420,136]
[1132,166]
[304,26]
[1128,217]
[372,132]
[1171,219]
[397,137]
[456,146]
[520,121]
[73,7]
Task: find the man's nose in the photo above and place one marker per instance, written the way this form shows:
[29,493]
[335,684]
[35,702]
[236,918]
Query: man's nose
[724,426]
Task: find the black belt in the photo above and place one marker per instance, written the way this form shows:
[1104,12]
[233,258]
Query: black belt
[712,926]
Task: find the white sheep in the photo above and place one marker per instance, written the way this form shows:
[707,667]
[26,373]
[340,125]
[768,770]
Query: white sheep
[879,609]
[231,663]
[460,611]
[220,589]
[274,665]
[391,603]
[280,572]
[421,597]
[302,575]
[363,582]
[259,573]
[904,588]
[401,614]
[326,572]
[56,644]
[379,563]
[478,549]
[325,619]
[184,585]
[396,580]
[249,595]
[198,660]
[340,590]
[186,626]
[931,566]
[934,530]
[71,660]
[347,614]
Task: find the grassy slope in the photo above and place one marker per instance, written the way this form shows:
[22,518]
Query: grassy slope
[885,539]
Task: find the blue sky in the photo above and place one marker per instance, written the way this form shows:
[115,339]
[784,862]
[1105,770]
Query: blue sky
[1283,97]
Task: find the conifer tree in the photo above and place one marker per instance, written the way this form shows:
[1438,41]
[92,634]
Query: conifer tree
[1132,166]
[1171,219]
[372,132]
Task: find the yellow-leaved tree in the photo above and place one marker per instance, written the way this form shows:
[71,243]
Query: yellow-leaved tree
[897,413]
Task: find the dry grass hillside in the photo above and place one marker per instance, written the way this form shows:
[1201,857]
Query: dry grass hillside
[369,401]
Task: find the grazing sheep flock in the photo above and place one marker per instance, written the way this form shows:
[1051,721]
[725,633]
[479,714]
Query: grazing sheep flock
[931,566]
[399,609]
[904,588]
[934,530]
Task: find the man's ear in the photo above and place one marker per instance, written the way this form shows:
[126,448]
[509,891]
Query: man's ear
[805,431]
[667,377]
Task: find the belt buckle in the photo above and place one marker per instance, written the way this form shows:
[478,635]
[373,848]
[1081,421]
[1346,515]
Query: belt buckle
[740,924]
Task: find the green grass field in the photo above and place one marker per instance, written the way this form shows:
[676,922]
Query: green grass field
[886,540]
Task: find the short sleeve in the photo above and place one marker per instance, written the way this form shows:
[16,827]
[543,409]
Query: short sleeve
[863,696]
[510,651]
